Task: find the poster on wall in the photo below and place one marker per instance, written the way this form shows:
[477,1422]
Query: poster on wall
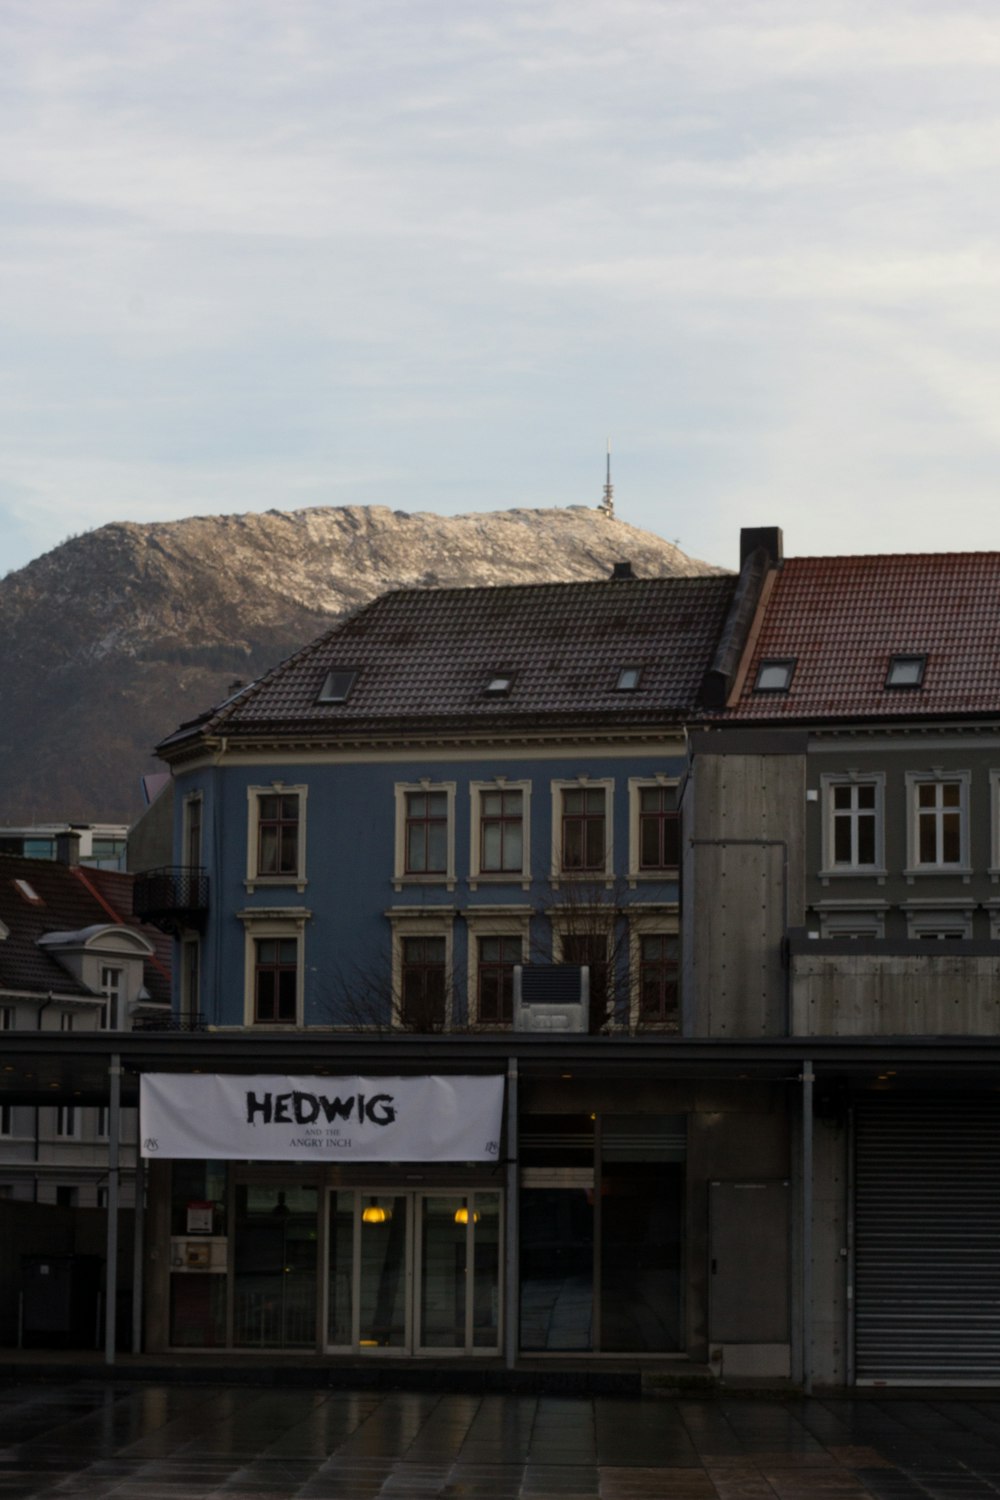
[232,1117]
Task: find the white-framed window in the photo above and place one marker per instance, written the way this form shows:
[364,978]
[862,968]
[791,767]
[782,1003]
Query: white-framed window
[273,966]
[848,923]
[101,1121]
[113,990]
[102,1197]
[853,824]
[422,969]
[934,923]
[425,833]
[276,836]
[498,940]
[191,831]
[66,1020]
[582,823]
[938,823]
[500,833]
[654,828]
[67,1121]
[654,970]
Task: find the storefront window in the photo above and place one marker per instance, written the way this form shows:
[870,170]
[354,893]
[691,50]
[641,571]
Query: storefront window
[274,1266]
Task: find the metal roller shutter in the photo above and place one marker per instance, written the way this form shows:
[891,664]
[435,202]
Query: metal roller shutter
[927,1268]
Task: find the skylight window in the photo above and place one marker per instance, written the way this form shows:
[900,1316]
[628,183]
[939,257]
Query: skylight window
[906,672]
[774,675]
[27,892]
[628,679]
[500,684]
[337,686]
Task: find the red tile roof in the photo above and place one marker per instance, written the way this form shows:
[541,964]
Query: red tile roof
[70,899]
[844,618]
[423,658]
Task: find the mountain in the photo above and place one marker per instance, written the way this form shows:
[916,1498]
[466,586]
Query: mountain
[115,637]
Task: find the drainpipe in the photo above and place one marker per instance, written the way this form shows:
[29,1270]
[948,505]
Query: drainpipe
[111,1269]
[511,1222]
[808,1079]
[38,1131]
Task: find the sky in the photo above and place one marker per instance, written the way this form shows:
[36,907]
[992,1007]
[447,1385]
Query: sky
[432,254]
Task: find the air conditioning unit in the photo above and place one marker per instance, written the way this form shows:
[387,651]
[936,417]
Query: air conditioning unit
[551,997]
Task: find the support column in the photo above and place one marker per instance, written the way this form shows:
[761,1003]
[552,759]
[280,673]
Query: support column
[511,1233]
[808,1079]
[138,1260]
[114,1171]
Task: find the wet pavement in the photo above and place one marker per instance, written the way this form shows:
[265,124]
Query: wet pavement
[135,1441]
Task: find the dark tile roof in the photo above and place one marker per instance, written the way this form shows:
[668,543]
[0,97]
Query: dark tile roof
[843,619]
[423,657]
[70,900]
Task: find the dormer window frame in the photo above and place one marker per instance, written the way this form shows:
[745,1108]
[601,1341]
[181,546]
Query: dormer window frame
[498,684]
[784,664]
[346,676]
[899,662]
[629,679]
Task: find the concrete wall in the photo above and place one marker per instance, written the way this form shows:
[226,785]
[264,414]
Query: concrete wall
[938,990]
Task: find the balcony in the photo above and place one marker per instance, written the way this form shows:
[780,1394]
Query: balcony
[172,898]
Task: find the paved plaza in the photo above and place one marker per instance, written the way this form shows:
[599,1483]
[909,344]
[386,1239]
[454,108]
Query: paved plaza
[134,1441]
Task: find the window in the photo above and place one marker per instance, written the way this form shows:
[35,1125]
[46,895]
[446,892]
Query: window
[424,989]
[501,832]
[422,959]
[774,675]
[581,835]
[658,960]
[114,999]
[275,980]
[67,1121]
[66,1196]
[102,1122]
[938,828]
[66,1021]
[425,833]
[192,831]
[931,925]
[274,965]
[853,824]
[6,1120]
[337,686]
[276,853]
[8,1018]
[593,951]
[844,922]
[190,979]
[499,685]
[498,957]
[628,679]
[654,828]
[906,672]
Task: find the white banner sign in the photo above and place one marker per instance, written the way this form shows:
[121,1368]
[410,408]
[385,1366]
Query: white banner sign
[279,1118]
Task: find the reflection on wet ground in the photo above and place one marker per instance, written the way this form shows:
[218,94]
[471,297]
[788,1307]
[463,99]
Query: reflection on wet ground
[149,1442]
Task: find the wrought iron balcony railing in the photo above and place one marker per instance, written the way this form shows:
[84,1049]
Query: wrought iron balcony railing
[172,897]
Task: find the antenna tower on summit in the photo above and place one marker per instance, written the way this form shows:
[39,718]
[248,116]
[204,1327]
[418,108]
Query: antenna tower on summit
[607,505]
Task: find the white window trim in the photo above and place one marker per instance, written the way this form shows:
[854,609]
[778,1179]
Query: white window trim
[929,919]
[423,922]
[297,881]
[401,876]
[669,873]
[8,1017]
[62,1110]
[478,876]
[830,780]
[577,877]
[664,922]
[496,921]
[913,780]
[851,923]
[282,922]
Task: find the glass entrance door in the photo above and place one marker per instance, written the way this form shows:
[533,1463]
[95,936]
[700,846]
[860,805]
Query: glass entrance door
[413,1272]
